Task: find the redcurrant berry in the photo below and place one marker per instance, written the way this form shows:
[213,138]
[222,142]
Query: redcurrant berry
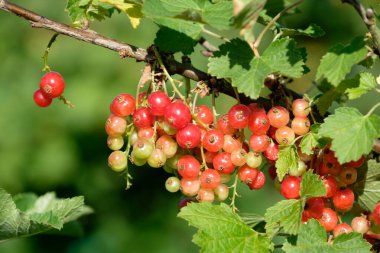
[278,116]
[290,187]
[52,84]
[123,105]
[41,99]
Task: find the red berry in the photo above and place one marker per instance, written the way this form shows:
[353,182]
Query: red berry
[329,219]
[360,224]
[213,140]
[204,114]
[238,116]
[344,199]
[315,207]
[52,84]
[329,156]
[41,99]
[189,136]
[258,123]
[331,186]
[290,187]
[256,107]
[188,166]
[190,186]
[342,228]
[205,195]
[300,108]
[272,172]
[142,118]
[158,101]
[230,144]
[177,115]
[145,133]
[223,164]
[123,105]
[284,135]
[184,202]
[247,174]
[375,215]
[300,125]
[348,175]
[210,179]
[327,168]
[271,152]
[258,183]
[259,143]
[357,163]
[167,145]
[115,126]
[278,116]
[239,157]
[224,125]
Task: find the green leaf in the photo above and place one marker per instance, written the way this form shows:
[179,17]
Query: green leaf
[366,83]
[312,238]
[221,230]
[189,16]
[367,187]
[337,63]
[312,185]
[313,31]
[352,133]
[235,61]
[218,14]
[162,13]
[285,214]
[132,10]
[82,10]
[287,160]
[34,215]
[252,219]
[308,143]
[171,41]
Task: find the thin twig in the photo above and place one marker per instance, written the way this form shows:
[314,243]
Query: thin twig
[369,20]
[270,24]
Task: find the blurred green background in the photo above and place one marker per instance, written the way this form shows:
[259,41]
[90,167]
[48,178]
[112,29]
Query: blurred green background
[64,150]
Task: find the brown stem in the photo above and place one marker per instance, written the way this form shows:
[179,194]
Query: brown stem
[369,20]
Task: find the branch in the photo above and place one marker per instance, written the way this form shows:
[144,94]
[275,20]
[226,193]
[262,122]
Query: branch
[124,49]
[369,20]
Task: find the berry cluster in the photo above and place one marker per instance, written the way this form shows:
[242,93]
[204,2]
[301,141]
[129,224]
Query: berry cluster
[339,197]
[52,85]
[201,151]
